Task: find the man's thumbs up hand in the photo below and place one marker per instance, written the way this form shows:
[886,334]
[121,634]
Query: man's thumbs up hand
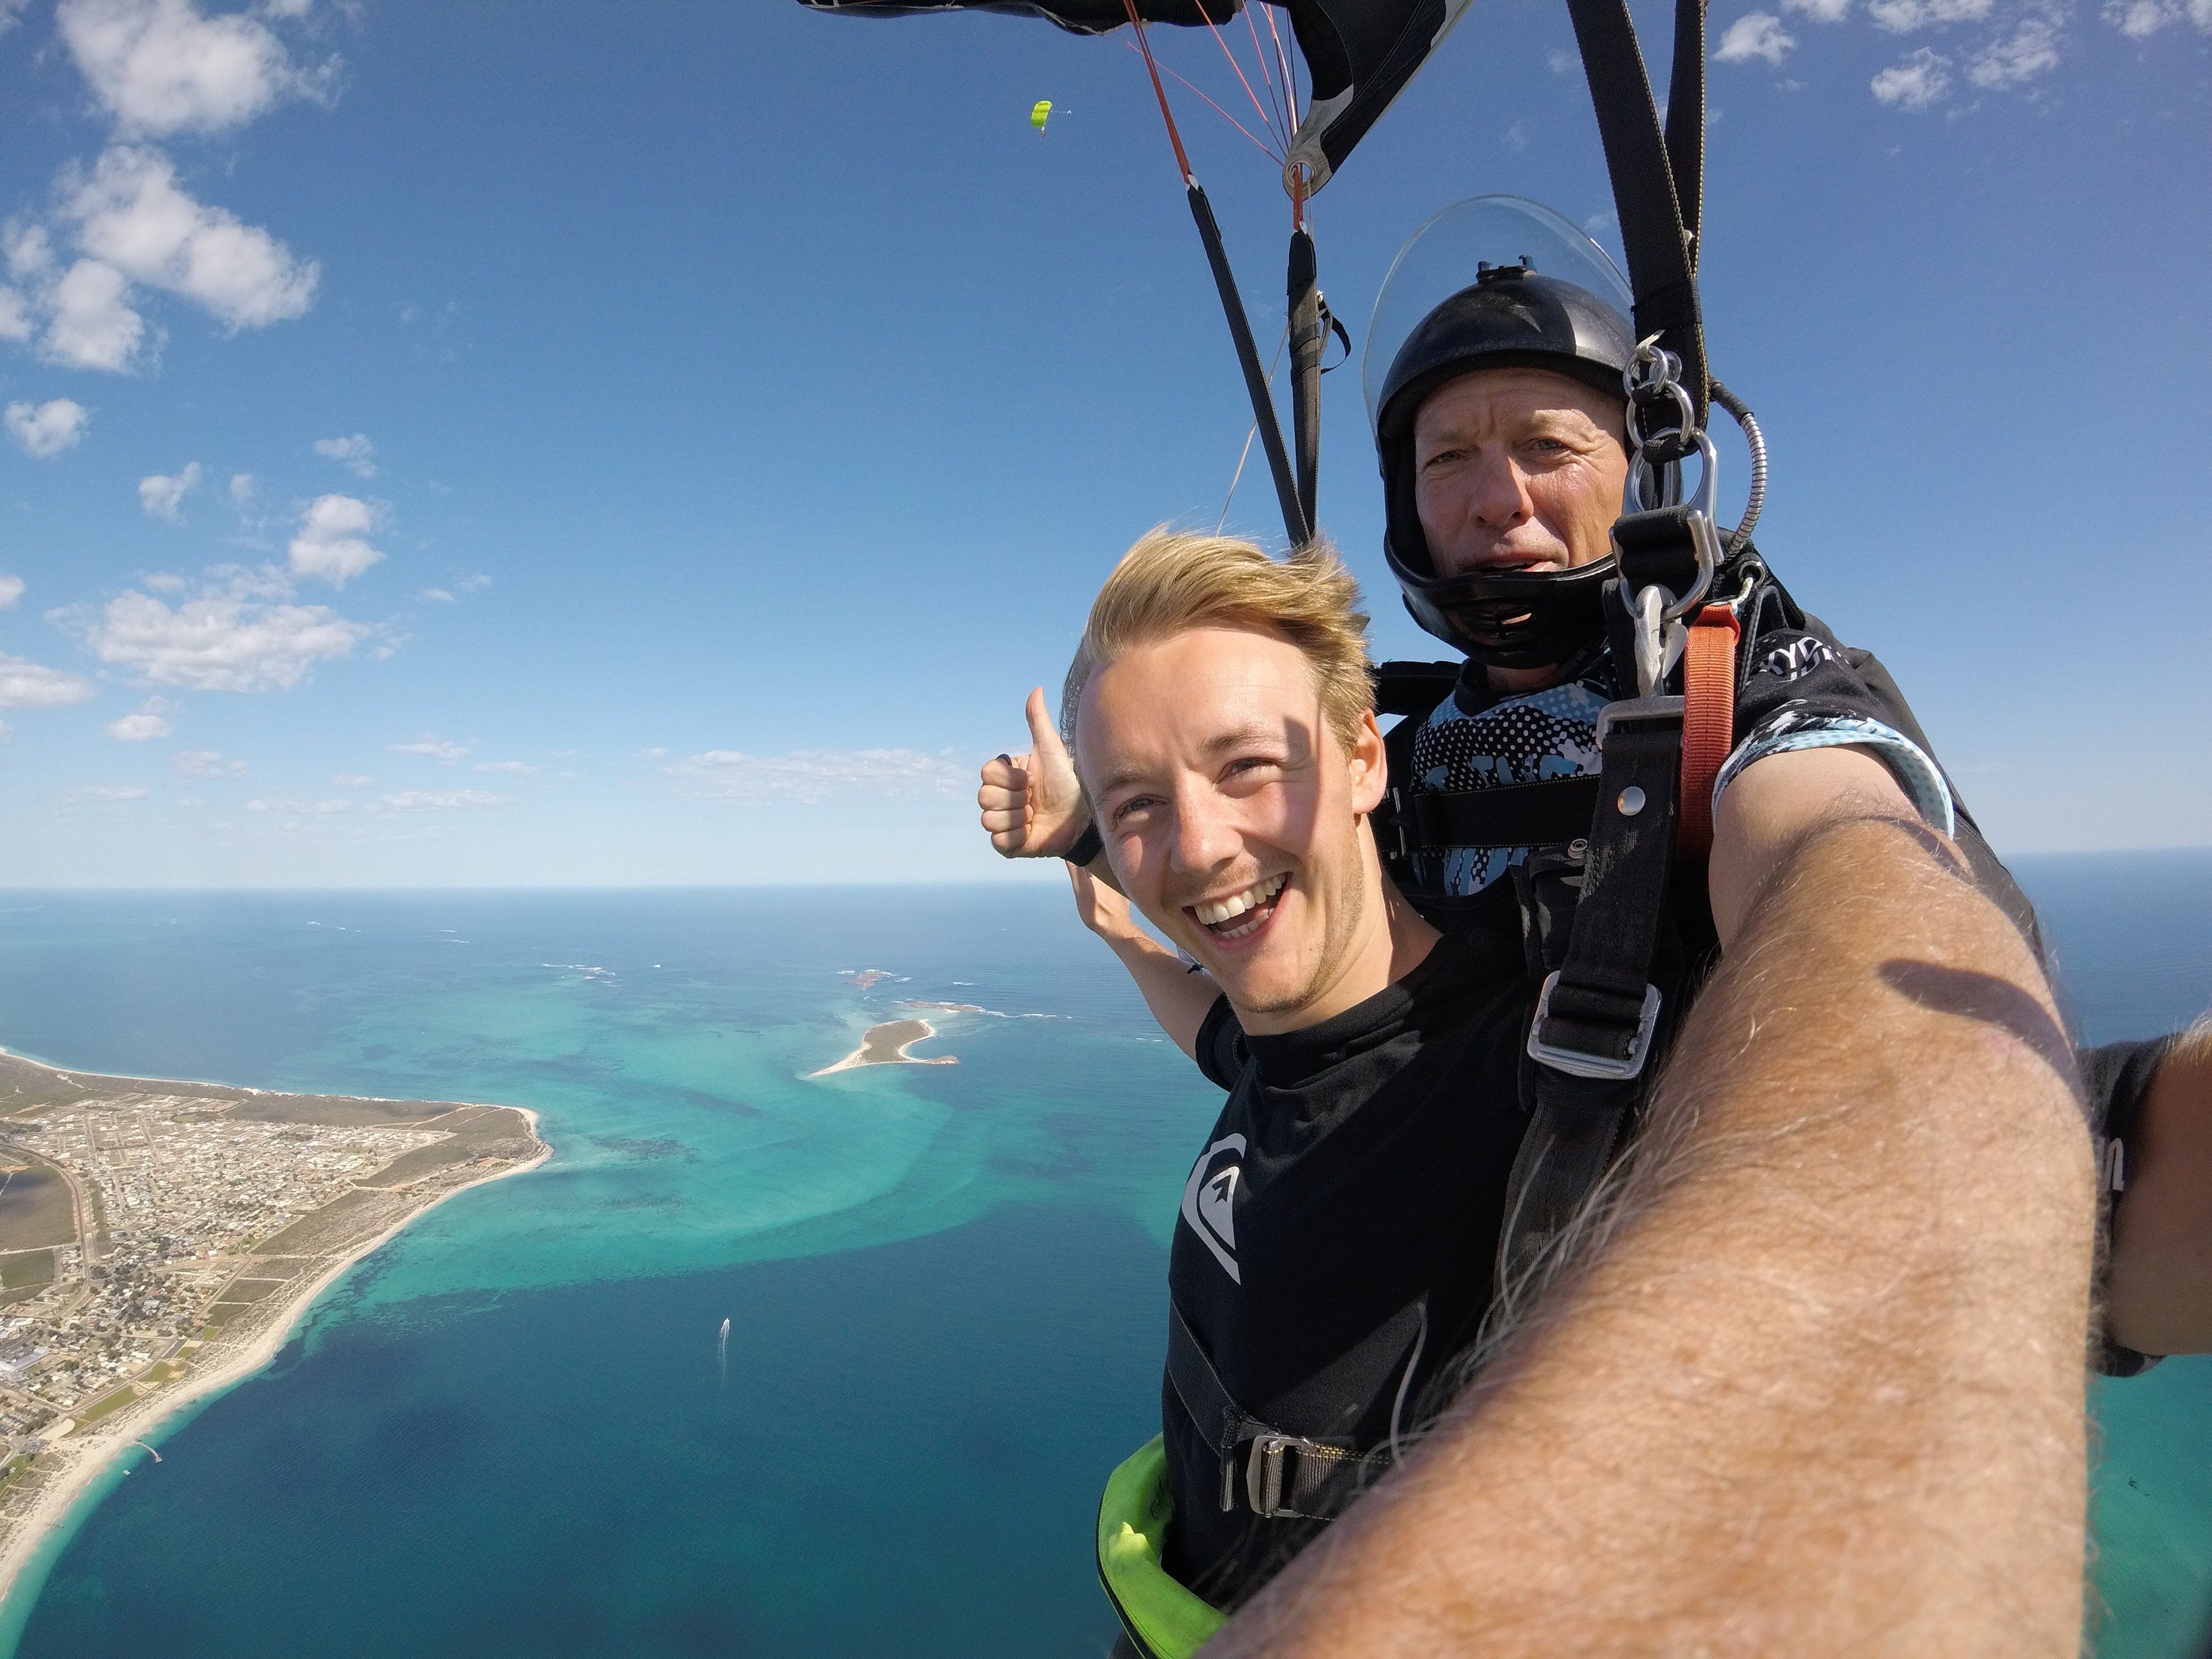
[1032,805]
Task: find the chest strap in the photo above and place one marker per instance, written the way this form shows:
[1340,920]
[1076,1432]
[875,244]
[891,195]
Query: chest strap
[1512,815]
[1598,1012]
[1284,1474]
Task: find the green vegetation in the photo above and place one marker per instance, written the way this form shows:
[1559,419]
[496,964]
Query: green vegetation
[114,1402]
[29,1271]
[35,1210]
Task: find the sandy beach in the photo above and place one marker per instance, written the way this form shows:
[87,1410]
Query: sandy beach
[887,1045]
[242,1346]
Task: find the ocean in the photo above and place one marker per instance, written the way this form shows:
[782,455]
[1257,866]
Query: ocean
[512,1431]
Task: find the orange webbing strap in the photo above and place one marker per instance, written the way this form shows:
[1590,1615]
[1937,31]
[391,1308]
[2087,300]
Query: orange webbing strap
[1708,721]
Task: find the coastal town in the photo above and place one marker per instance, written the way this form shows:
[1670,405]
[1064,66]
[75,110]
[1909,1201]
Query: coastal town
[156,1239]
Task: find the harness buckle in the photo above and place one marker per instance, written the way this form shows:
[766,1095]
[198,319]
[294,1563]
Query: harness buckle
[1393,823]
[1266,1469]
[1575,1062]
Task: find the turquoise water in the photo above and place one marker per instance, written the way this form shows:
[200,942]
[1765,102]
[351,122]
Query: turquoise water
[507,1432]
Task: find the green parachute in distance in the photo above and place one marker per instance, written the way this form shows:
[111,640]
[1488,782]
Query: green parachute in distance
[1039,112]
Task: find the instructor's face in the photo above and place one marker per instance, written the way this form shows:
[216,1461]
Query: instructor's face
[1517,469]
[1231,814]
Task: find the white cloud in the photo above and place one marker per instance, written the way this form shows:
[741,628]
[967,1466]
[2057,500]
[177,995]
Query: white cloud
[1903,17]
[150,722]
[206,764]
[356,455]
[11,13]
[1756,35]
[517,769]
[87,310]
[2139,18]
[435,748]
[2032,48]
[420,800]
[46,430]
[329,546]
[11,589]
[28,685]
[437,595]
[1820,11]
[352,781]
[809,775]
[1562,62]
[90,322]
[241,637]
[1919,82]
[113,791]
[158,66]
[163,498]
[1516,138]
[242,488]
[131,214]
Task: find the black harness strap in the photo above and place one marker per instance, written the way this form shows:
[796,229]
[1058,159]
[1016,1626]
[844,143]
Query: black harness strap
[1686,118]
[1662,267]
[1284,1474]
[1308,340]
[1598,1013]
[1513,814]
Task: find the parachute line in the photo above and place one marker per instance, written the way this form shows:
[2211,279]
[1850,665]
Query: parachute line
[1267,118]
[1272,155]
[1145,48]
[1274,95]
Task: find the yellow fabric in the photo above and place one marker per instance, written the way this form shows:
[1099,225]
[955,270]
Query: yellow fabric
[1133,1525]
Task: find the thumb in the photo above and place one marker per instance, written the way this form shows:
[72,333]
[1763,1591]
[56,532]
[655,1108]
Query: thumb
[1044,736]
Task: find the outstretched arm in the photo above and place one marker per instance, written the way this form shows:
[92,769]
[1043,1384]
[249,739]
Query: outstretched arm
[1815,1382]
[1179,995]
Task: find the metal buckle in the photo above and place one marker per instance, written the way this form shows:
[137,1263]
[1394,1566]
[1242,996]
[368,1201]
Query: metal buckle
[1395,824]
[1263,1474]
[1638,711]
[1573,1061]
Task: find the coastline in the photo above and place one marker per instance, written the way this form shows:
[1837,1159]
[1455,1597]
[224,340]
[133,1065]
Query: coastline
[90,1453]
[899,1056]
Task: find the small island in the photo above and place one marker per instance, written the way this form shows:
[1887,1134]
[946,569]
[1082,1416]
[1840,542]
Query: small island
[888,1045]
[158,1239]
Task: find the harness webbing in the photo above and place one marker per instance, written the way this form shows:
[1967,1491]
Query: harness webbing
[1284,1474]
[1658,214]
[1709,676]
[1594,1024]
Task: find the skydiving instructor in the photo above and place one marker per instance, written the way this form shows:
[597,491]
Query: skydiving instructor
[1500,428]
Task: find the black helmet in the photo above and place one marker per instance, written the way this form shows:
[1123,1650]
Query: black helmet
[1511,318]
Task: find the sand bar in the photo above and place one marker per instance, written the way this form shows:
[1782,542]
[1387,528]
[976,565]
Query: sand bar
[280,1193]
[887,1045]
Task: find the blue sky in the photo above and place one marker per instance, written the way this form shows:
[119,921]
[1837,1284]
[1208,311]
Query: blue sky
[659,442]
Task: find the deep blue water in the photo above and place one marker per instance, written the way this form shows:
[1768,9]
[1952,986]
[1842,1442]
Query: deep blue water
[506,1433]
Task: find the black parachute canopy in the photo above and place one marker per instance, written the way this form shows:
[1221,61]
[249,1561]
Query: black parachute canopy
[1359,54]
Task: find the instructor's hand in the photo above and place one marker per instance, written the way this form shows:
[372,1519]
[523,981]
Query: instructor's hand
[1032,805]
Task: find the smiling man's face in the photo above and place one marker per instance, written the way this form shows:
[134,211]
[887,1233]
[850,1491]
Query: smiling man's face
[1517,469]
[1233,817]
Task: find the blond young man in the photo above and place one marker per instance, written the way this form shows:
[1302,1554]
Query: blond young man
[1335,1259]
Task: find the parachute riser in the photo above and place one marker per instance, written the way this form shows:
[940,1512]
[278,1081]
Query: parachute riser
[1308,339]
[1296,524]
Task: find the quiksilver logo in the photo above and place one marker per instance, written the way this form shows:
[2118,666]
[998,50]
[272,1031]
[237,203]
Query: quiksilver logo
[1209,1201]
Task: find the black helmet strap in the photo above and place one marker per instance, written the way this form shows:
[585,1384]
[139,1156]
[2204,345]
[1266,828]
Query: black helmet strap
[1658,178]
